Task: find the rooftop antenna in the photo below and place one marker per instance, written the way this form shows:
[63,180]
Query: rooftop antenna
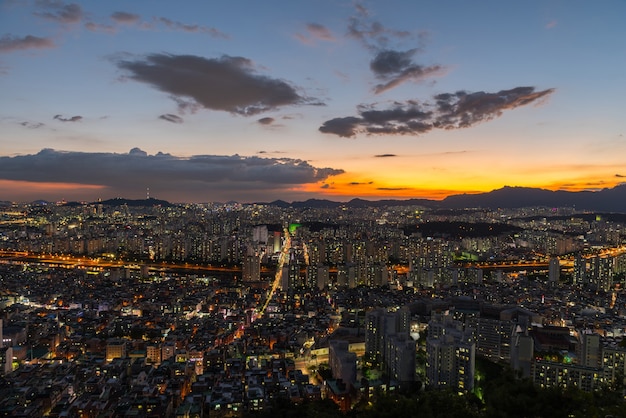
[147,193]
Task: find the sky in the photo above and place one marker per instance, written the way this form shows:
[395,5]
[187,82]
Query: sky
[253,101]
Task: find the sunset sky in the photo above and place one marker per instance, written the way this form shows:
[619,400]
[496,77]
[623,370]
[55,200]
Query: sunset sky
[204,101]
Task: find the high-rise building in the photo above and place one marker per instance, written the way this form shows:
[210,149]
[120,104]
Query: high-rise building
[251,269]
[260,234]
[522,351]
[580,270]
[554,270]
[601,273]
[492,337]
[381,325]
[341,361]
[400,357]
[6,360]
[614,364]
[552,374]
[317,276]
[450,354]
[590,349]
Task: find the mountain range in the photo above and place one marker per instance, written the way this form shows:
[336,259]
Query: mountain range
[605,200]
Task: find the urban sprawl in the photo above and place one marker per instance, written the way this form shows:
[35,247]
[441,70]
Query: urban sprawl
[158,310]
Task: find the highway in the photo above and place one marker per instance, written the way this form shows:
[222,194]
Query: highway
[69,261]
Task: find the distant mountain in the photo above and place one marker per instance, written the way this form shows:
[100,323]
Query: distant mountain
[359,203]
[278,203]
[317,204]
[118,201]
[607,200]
[354,203]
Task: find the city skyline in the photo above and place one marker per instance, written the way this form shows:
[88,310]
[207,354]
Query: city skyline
[336,99]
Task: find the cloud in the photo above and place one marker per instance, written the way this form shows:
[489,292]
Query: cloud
[372,34]
[315,32]
[171,118]
[32,125]
[59,12]
[393,189]
[620,175]
[462,109]
[174,25]
[10,43]
[551,24]
[71,119]
[129,174]
[99,27]
[397,67]
[385,155]
[230,84]
[391,66]
[271,152]
[345,127]
[448,111]
[125,18]
[266,121]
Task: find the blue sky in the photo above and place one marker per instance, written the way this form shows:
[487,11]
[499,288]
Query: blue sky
[255,101]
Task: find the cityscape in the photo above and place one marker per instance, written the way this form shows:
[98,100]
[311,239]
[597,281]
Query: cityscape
[146,308]
[329,208]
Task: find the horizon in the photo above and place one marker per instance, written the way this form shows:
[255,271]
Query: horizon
[290,202]
[331,100]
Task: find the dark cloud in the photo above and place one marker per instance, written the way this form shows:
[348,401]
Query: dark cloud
[174,25]
[266,121]
[372,34]
[389,65]
[10,43]
[620,175]
[210,176]
[59,12]
[449,111]
[360,183]
[171,118]
[71,119]
[345,127]
[124,17]
[275,152]
[385,155]
[393,189]
[32,125]
[228,83]
[388,62]
[397,67]
[462,109]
